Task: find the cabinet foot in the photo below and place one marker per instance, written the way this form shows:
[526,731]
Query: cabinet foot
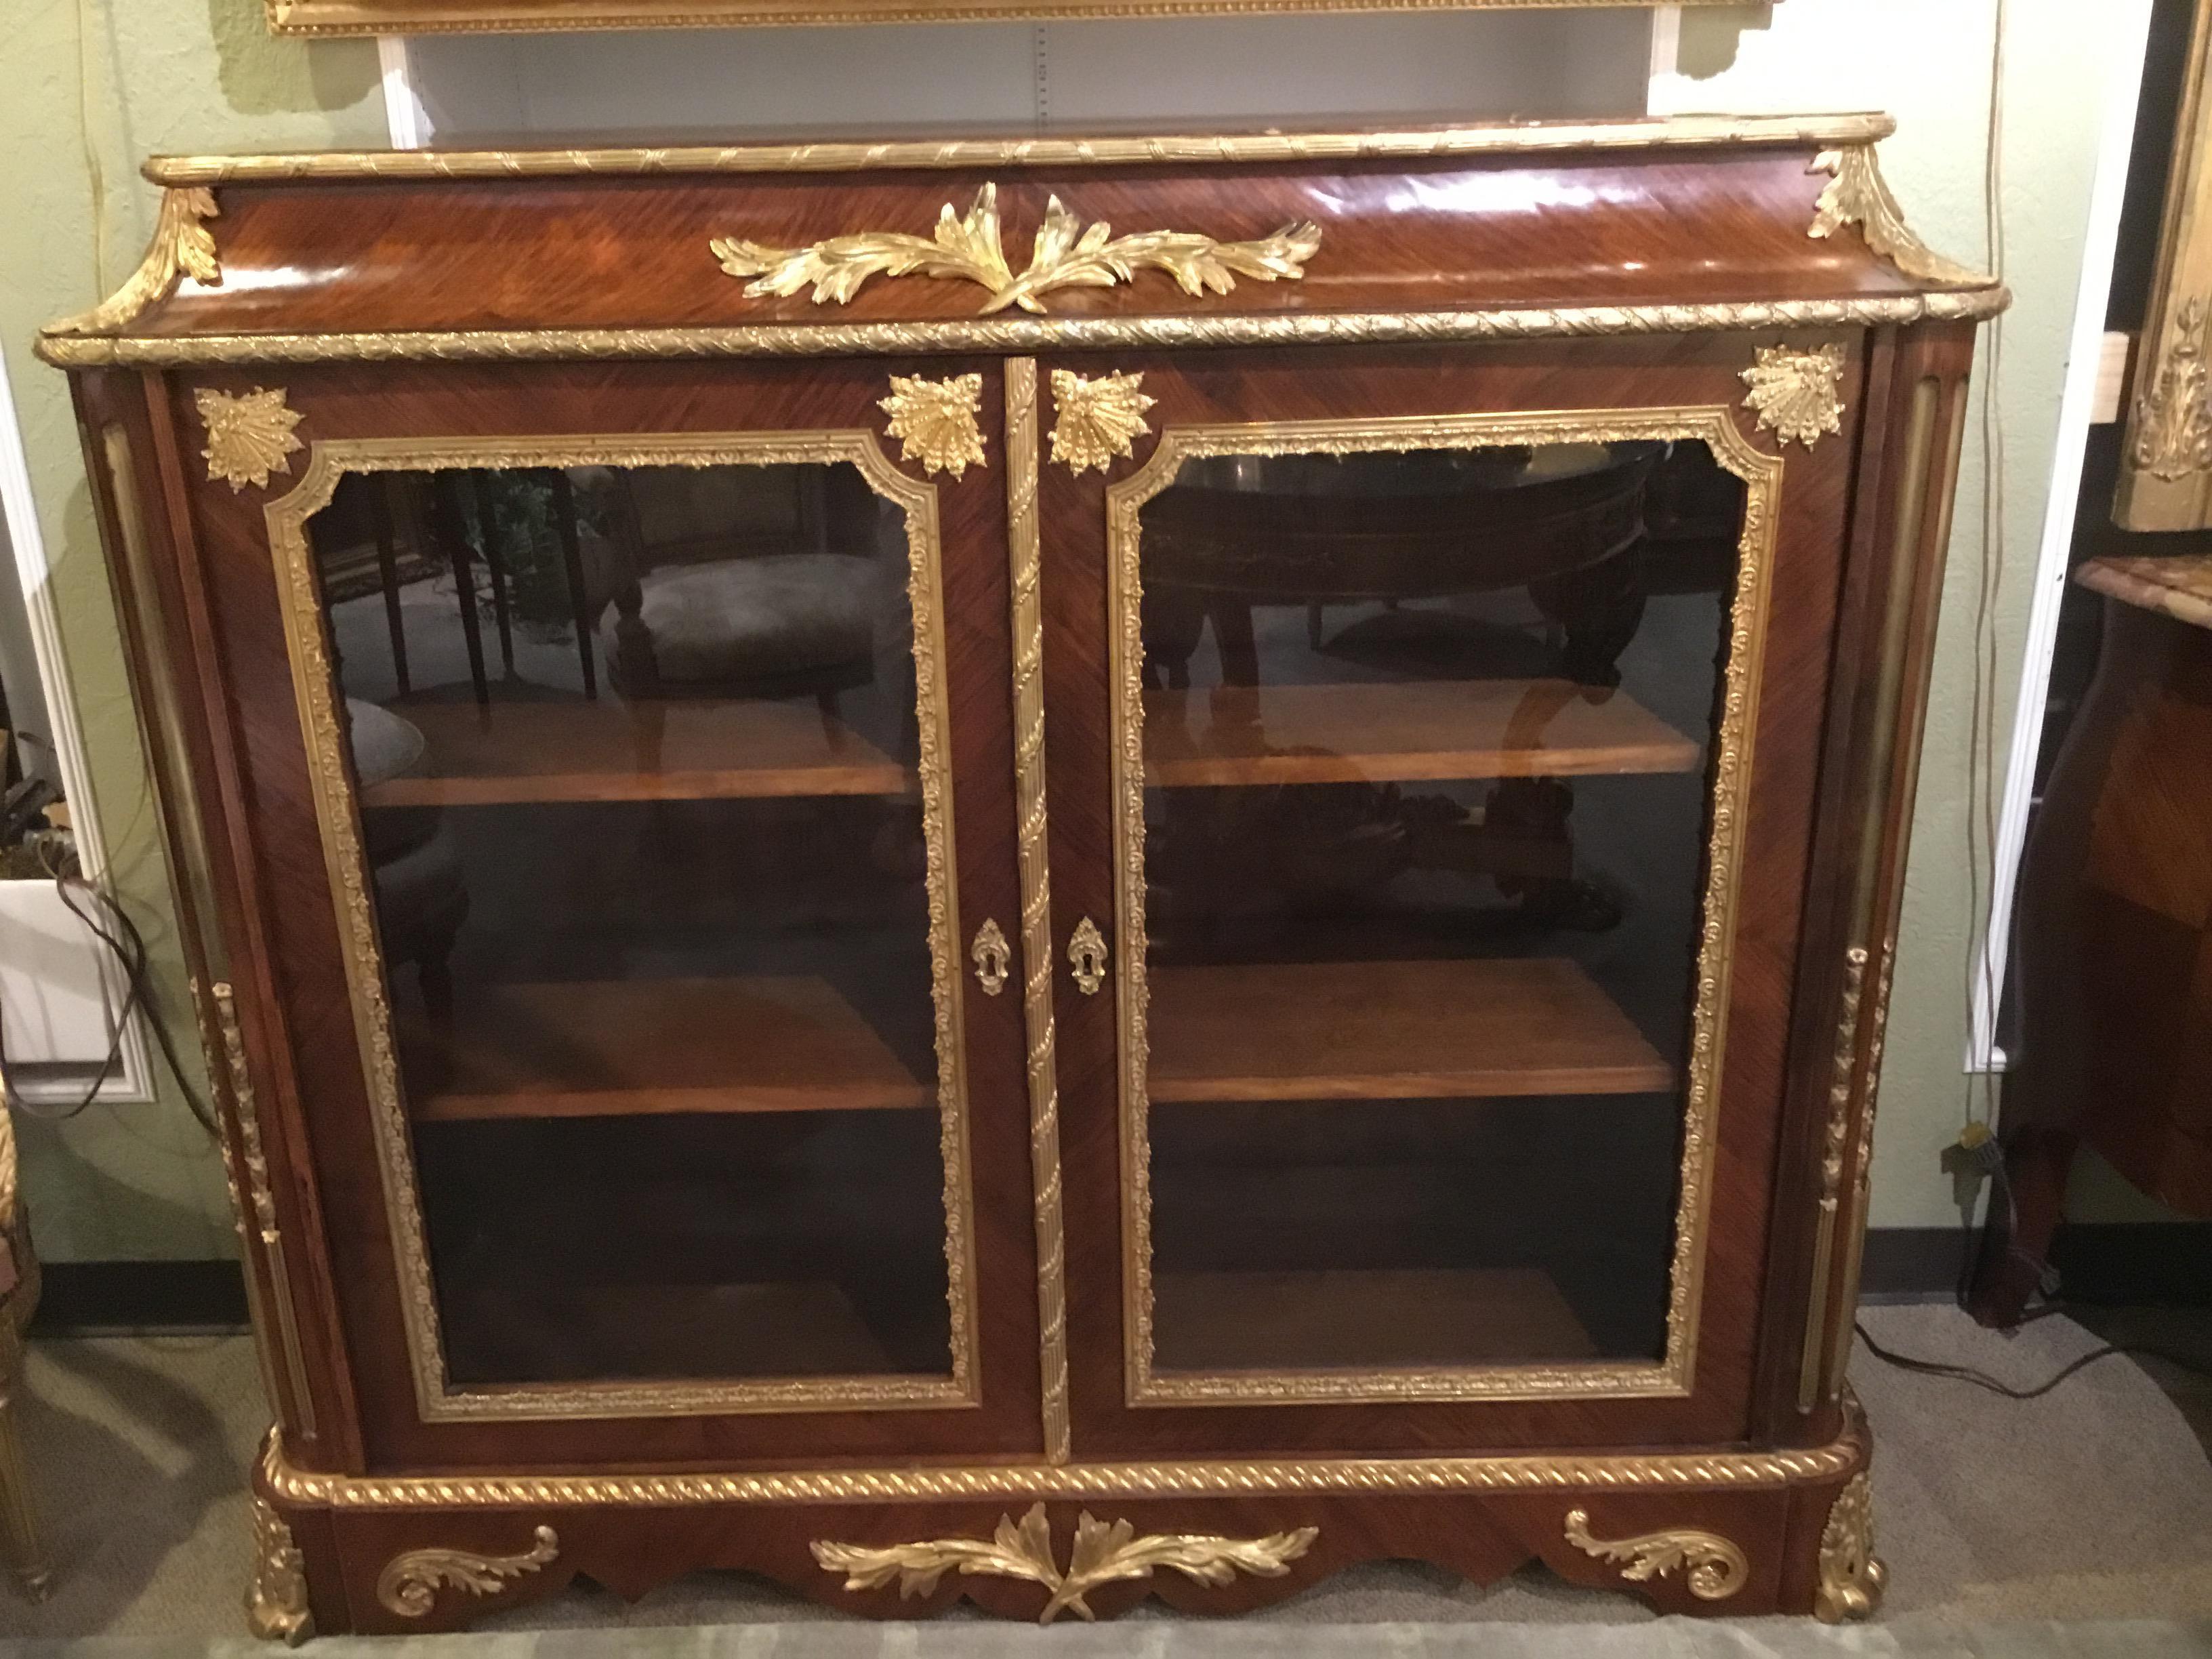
[276,1600]
[1852,1577]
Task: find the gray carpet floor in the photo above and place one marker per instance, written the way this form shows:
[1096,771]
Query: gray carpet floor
[2008,1526]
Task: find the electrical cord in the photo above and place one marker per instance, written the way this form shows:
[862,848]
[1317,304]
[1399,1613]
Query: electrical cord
[131,954]
[133,961]
[1981,1379]
[132,970]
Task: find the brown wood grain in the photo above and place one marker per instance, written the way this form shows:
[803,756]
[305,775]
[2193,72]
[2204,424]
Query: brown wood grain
[1615,227]
[621,1048]
[1398,732]
[520,751]
[1392,1030]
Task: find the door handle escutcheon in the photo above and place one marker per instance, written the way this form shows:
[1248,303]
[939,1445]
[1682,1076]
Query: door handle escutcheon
[992,957]
[1086,953]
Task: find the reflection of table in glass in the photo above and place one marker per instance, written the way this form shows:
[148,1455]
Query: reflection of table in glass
[1336,1014]
[1562,525]
[1566,521]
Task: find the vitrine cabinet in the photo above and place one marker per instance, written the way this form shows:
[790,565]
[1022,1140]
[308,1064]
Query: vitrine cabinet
[1144,920]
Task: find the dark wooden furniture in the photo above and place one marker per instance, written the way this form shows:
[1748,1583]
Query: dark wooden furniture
[1060,1125]
[2116,932]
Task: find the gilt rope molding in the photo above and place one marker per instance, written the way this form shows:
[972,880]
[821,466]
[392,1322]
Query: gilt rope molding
[971,248]
[1025,613]
[1170,331]
[1500,1472]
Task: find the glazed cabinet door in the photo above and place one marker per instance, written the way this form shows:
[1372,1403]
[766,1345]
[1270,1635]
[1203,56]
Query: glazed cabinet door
[1432,739]
[625,761]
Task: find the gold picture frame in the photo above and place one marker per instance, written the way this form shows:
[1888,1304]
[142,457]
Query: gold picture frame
[2166,455]
[354,17]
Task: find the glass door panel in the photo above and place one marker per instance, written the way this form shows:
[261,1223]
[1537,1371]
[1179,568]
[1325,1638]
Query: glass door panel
[1417,1074]
[649,768]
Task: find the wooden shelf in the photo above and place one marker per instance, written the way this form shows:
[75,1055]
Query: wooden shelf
[591,1048]
[1392,1030]
[1419,729]
[1360,1318]
[574,751]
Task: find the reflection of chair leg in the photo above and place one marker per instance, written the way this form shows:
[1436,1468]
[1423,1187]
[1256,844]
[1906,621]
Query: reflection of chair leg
[833,724]
[387,571]
[1600,608]
[494,562]
[572,560]
[1231,615]
[18,1529]
[446,506]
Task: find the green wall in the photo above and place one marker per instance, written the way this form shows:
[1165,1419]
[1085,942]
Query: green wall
[92,86]
[1929,64]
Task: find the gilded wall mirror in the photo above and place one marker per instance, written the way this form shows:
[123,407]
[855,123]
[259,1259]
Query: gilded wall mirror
[334,18]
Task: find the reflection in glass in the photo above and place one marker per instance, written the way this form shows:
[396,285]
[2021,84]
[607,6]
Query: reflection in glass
[636,752]
[1426,748]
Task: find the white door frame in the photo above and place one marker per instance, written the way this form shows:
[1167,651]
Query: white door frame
[2077,412]
[130,1082]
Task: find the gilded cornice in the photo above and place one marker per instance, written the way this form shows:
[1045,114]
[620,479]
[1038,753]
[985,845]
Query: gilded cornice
[1258,148]
[1016,335]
